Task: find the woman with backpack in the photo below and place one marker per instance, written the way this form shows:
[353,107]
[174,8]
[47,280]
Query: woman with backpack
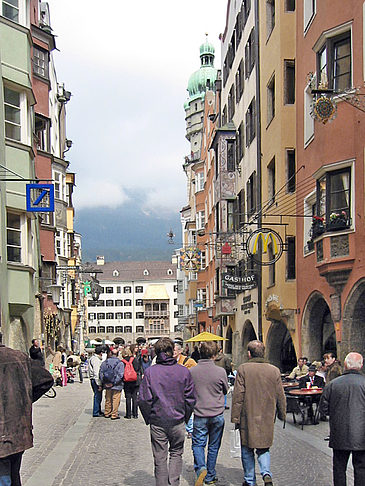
[132,379]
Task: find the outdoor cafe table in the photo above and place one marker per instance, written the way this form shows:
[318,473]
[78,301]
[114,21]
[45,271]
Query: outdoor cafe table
[290,384]
[310,395]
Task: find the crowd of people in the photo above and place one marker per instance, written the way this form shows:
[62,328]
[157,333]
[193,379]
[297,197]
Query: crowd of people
[179,396]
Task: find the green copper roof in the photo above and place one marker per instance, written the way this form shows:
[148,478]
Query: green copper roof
[205,77]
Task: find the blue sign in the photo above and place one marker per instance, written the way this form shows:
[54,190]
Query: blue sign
[40,198]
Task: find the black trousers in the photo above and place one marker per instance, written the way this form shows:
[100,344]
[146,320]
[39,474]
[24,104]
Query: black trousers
[10,469]
[340,460]
[131,397]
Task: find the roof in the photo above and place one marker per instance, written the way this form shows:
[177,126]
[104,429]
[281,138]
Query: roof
[141,271]
[156,292]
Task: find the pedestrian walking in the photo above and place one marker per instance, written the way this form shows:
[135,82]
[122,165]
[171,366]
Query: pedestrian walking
[95,382]
[224,362]
[56,364]
[132,380]
[166,401]
[36,351]
[211,384]
[333,367]
[258,394]
[145,361]
[343,399]
[111,376]
[23,381]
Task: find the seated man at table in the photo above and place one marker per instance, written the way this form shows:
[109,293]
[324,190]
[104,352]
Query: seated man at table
[298,371]
[311,378]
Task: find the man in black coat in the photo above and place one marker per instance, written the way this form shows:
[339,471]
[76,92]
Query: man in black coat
[344,401]
[35,352]
[312,379]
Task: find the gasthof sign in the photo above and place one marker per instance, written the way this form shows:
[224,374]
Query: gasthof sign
[231,282]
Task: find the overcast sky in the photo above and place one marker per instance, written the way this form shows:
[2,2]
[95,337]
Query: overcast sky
[127,64]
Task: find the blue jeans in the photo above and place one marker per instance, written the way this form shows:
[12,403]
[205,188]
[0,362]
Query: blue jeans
[10,470]
[189,425]
[248,463]
[97,398]
[205,427]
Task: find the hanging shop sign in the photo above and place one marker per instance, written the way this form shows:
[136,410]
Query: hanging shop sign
[247,304]
[190,259]
[264,246]
[231,282]
[40,198]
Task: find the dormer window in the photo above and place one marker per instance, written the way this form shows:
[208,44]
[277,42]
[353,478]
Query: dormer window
[146,272]
[169,271]
[115,273]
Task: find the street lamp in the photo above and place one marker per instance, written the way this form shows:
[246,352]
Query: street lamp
[56,293]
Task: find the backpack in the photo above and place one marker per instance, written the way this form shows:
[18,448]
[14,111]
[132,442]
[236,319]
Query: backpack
[108,378]
[130,374]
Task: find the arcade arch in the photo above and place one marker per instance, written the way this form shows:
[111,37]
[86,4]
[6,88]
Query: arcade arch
[353,326]
[280,349]
[248,334]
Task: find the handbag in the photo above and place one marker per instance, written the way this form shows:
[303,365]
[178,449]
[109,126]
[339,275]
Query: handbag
[235,443]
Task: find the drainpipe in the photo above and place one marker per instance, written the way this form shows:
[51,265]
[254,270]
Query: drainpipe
[258,141]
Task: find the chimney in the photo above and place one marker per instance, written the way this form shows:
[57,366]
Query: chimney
[100,260]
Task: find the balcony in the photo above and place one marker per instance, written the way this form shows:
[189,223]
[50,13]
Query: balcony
[156,332]
[151,314]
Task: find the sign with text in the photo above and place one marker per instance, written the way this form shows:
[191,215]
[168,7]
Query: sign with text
[231,282]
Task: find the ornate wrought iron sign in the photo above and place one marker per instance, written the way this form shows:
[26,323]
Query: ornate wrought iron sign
[264,246]
[190,259]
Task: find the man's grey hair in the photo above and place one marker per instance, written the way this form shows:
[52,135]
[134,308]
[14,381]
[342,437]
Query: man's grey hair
[354,361]
[179,345]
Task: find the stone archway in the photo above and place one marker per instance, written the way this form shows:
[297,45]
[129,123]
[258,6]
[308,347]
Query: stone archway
[280,349]
[318,331]
[353,321]
[228,343]
[248,334]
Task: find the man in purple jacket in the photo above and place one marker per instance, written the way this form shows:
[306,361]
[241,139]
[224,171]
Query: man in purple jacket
[166,401]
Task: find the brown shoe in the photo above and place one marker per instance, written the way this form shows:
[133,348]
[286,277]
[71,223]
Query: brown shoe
[268,480]
[201,477]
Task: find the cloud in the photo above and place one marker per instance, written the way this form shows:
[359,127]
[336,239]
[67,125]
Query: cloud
[99,193]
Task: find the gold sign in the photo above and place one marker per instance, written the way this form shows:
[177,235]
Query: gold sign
[264,246]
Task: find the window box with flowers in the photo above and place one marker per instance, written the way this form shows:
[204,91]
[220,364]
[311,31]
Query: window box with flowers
[338,221]
[318,227]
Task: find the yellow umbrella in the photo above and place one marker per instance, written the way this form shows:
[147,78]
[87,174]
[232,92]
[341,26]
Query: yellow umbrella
[205,336]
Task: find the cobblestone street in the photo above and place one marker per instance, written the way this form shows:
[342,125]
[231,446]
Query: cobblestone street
[72,448]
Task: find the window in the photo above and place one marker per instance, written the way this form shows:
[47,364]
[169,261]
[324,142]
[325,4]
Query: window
[250,54]
[118,303]
[199,181]
[109,303]
[202,264]
[91,316]
[309,12]
[241,208]
[333,195]
[119,290]
[290,258]
[289,82]
[231,103]
[289,5]
[290,170]
[200,220]
[271,190]
[139,302]
[231,159]
[110,329]
[92,329]
[12,105]
[239,81]
[110,315]
[14,237]
[119,329]
[101,303]
[230,215]
[146,272]
[101,329]
[224,116]
[334,63]
[101,315]
[128,329]
[118,315]
[251,123]
[240,143]
[108,290]
[176,314]
[139,315]
[127,315]
[140,329]
[271,99]
[42,132]
[270,17]
[10,10]
[127,290]
[40,62]
[251,194]
[115,273]
[59,185]
[127,302]
[139,289]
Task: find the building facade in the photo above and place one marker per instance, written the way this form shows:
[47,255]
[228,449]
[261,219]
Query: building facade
[137,299]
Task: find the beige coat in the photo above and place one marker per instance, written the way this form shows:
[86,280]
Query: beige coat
[258,394]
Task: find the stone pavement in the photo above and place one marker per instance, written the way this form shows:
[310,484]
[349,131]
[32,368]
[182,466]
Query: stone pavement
[72,448]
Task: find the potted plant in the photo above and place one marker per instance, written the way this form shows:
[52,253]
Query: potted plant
[317,226]
[338,221]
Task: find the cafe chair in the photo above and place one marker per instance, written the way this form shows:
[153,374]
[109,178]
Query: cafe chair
[293,406]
